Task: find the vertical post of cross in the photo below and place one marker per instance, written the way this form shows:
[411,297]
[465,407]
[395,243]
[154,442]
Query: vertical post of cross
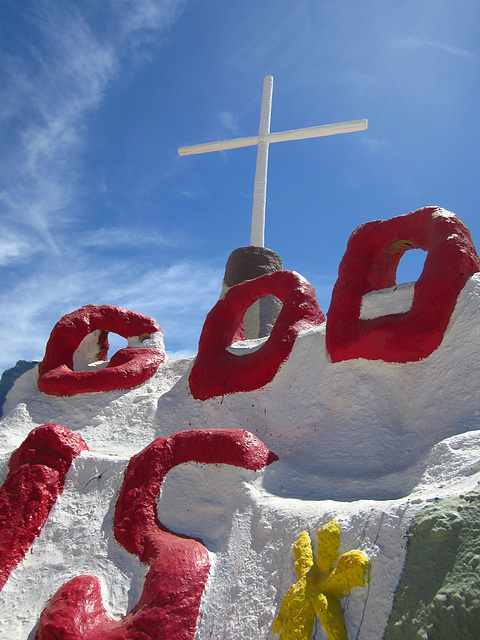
[257,237]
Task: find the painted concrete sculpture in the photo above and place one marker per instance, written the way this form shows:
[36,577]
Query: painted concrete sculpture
[370,263]
[216,371]
[178,566]
[128,367]
[388,449]
[35,480]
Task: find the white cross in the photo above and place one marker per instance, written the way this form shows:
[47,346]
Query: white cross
[263,139]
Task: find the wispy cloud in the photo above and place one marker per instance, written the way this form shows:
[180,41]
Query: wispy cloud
[192,194]
[414,43]
[63,77]
[54,76]
[30,309]
[374,144]
[14,249]
[50,86]
[139,22]
[277,38]
[362,84]
[229,121]
[125,237]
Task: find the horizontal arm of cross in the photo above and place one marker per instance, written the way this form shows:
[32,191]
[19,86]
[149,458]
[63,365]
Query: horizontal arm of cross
[280,136]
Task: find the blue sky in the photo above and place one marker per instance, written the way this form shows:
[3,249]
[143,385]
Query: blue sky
[96,206]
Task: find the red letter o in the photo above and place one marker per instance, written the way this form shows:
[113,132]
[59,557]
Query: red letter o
[216,371]
[128,368]
[370,263]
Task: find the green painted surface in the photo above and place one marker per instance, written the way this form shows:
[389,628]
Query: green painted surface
[438,597]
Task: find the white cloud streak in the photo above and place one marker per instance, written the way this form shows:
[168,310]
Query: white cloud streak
[54,78]
[49,90]
[14,249]
[440,46]
[178,297]
[229,121]
[124,237]
[373,144]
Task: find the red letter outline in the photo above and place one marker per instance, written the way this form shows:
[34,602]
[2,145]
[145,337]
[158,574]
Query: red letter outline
[128,368]
[35,480]
[178,566]
[370,263]
[216,371]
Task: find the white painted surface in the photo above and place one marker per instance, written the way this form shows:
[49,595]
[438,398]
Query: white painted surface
[397,299]
[369,443]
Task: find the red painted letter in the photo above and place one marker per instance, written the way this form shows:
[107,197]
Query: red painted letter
[178,566]
[216,371]
[370,263]
[35,480]
[128,368]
